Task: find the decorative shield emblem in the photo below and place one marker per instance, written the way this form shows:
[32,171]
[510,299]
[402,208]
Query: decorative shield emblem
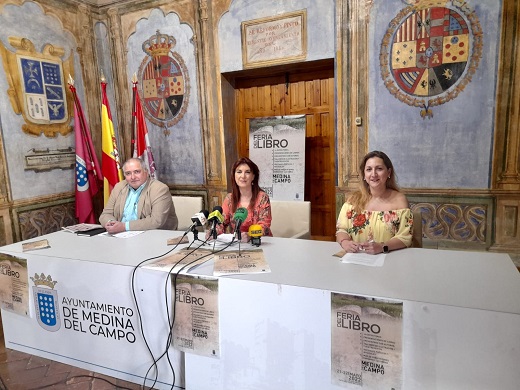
[47,310]
[43,90]
[165,82]
[37,86]
[46,302]
[430,53]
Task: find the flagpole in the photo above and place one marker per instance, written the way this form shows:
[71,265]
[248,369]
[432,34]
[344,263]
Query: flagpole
[83,129]
[142,146]
[134,114]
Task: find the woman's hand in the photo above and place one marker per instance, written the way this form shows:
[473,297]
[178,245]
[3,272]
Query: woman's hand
[371,247]
[349,246]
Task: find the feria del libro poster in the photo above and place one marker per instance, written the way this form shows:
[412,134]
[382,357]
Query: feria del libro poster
[277,146]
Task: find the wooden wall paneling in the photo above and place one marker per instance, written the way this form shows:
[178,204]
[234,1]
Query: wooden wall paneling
[254,99]
[505,179]
[6,229]
[352,19]
[307,93]
[279,99]
[507,223]
[34,218]
[229,151]
[241,123]
[506,156]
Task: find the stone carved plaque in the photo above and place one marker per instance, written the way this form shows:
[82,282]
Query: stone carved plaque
[46,159]
[274,40]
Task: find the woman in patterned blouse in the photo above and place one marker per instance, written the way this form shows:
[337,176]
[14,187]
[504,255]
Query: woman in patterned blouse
[246,193]
[377,218]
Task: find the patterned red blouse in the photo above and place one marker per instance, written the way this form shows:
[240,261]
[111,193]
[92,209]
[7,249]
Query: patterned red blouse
[259,215]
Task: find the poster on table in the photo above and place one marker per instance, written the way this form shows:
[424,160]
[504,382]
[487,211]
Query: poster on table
[183,260]
[277,146]
[366,342]
[14,284]
[240,262]
[196,326]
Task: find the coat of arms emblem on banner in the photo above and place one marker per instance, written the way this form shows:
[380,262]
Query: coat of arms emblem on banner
[37,86]
[165,82]
[46,302]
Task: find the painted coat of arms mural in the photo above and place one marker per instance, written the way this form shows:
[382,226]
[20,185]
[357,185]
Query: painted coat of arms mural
[37,86]
[165,86]
[430,52]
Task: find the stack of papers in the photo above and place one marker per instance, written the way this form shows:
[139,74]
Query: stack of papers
[364,259]
[80,227]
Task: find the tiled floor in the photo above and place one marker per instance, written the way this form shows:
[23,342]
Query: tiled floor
[20,371]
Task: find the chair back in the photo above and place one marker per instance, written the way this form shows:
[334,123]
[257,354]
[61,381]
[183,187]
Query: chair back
[185,208]
[291,219]
[417,229]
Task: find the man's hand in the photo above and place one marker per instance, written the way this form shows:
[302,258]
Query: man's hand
[114,227]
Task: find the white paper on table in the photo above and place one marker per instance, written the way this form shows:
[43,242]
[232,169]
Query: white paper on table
[364,259]
[128,234]
[225,238]
[227,241]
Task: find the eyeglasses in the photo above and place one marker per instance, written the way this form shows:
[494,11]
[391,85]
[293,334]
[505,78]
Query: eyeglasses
[136,172]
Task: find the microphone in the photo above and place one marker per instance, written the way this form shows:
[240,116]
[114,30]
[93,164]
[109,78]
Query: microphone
[255,232]
[239,217]
[199,219]
[215,218]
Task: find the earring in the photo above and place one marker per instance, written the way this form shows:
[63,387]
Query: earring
[389,177]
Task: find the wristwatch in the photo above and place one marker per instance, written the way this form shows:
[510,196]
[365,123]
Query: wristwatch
[386,249]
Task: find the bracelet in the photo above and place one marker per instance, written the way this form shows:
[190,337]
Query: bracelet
[341,242]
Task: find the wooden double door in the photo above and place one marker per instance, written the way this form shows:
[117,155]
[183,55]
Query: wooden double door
[296,92]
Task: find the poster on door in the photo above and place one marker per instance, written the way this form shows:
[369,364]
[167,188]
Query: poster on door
[277,146]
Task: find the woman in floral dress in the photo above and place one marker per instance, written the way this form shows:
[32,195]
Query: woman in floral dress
[377,218]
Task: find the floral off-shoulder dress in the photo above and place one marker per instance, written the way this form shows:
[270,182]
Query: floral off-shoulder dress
[379,226]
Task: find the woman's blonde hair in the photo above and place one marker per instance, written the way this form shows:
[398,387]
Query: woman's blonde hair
[360,198]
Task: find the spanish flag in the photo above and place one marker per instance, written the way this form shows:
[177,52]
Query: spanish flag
[110,158]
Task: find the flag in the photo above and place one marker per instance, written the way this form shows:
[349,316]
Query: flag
[87,165]
[110,157]
[142,147]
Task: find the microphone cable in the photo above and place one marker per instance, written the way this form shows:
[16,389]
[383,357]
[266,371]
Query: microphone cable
[175,275]
[171,323]
[134,296]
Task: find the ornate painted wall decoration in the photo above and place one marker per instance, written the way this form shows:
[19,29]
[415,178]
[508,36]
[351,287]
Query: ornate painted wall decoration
[165,86]
[430,52]
[36,86]
[454,222]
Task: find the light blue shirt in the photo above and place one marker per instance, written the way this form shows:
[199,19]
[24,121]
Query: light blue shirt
[130,210]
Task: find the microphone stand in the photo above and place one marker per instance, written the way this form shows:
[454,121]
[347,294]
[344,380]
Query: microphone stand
[195,236]
[238,234]
[213,231]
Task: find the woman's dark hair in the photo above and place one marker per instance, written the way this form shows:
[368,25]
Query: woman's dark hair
[235,192]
